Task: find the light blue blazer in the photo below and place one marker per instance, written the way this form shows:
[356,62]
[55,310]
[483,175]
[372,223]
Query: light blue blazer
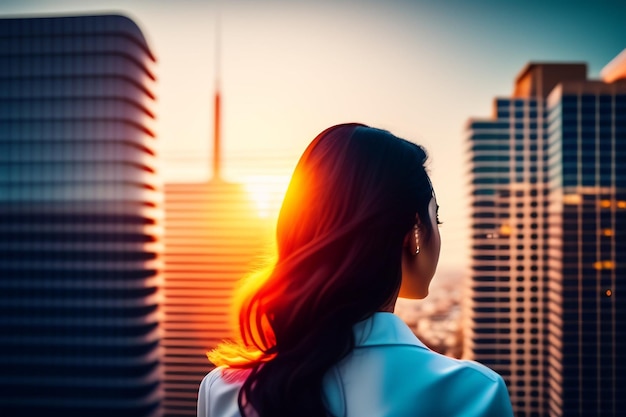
[390,373]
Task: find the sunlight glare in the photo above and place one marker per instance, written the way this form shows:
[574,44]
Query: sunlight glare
[267,192]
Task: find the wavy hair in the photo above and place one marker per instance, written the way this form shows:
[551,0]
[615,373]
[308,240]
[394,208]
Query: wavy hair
[353,197]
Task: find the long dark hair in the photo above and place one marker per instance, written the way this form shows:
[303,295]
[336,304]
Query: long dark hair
[353,197]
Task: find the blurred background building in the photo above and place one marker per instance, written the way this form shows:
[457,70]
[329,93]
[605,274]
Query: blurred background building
[214,237]
[80,219]
[548,213]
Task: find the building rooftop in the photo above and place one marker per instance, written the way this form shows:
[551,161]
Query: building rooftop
[616,69]
[537,79]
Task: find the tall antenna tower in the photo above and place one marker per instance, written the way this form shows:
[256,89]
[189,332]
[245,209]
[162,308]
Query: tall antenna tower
[217,116]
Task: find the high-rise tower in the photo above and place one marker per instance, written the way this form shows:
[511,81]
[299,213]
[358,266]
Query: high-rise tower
[530,166]
[80,219]
[586,161]
[213,237]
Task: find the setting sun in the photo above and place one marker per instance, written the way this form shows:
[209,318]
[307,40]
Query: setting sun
[267,192]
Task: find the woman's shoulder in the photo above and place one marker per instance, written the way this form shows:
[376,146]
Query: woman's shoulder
[219,391]
[210,378]
[478,369]
[385,338]
[471,384]
[431,364]
[414,380]
[463,368]
[223,375]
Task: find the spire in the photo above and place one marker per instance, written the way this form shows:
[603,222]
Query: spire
[217,116]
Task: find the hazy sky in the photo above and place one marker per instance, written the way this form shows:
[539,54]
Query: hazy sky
[292,68]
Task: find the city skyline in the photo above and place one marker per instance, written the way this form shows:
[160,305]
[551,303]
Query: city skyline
[78,107]
[291,69]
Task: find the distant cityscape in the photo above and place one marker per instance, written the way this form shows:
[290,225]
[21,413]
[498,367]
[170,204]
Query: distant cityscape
[114,285]
[436,320]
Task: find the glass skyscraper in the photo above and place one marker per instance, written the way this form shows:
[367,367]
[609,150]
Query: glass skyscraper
[586,162]
[547,226]
[80,219]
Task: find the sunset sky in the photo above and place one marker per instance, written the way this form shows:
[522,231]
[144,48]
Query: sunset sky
[292,68]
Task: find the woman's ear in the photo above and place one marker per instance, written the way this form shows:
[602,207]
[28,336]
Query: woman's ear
[411,239]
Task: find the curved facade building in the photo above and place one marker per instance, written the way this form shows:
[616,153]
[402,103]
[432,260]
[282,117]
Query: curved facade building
[80,219]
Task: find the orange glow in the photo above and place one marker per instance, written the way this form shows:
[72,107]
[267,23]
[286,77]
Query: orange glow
[608,293]
[608,264]
[505,230]
[572,199]
[600,265]
[213,238]
[607,232]
[605,203]
[254,340]
[621,204]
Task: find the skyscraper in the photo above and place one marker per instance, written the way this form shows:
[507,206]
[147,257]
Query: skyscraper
[213,236]
[546,191]
[80,219]
[586,163]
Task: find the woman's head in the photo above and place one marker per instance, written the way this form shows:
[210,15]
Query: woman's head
[355,196]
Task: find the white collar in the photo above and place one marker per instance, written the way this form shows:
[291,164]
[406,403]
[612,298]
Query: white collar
[383,328]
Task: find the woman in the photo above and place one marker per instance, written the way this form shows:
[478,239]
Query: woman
[357,229]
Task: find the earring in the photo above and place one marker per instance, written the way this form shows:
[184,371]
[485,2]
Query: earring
[417,240]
